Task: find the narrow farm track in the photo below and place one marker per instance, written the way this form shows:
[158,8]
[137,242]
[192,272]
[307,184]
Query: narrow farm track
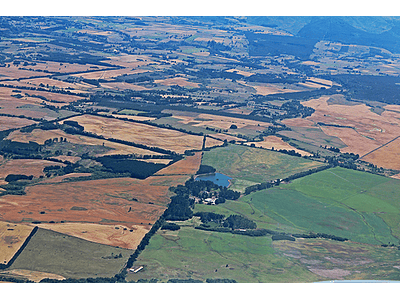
[379,147]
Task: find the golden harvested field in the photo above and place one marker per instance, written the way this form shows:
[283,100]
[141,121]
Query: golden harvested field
[12,236]
[181,81]
[25,167]
[187,166]
[130,61]
[63,177]
[10,122]
[210,142]
[299,122]
[112,235]
[268,88]
[26,106]
[227,137]
[106,74]
[75,87]
[369,130]
[53,66]
[35,276]
[277,144]
[387,157]
[123,86]
[39,136]
[214,121]
[244,73]
[135,118]
[13,72]
[140,133]
[242,110]
[105,201]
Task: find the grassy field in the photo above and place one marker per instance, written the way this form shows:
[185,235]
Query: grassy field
[249,166]
[192,253]
[342,202]
[70,257]
[337,260]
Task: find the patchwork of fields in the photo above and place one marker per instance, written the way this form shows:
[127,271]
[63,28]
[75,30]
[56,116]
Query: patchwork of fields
[105,122]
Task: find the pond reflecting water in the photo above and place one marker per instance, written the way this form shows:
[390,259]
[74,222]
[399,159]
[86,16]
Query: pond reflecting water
[217,178]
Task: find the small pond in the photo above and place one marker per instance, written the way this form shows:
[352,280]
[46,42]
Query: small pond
[217,178]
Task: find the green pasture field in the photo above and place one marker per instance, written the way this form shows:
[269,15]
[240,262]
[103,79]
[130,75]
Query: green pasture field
[68,256]
[248,166]
[342,202]
[198,254]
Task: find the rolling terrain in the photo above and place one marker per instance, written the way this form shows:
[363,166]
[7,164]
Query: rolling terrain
[106,122]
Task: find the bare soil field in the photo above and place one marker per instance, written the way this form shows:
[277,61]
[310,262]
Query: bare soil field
[10,122]
[140,133]
[369,130]
[187,166]
[112,235]
[277,143]
[25,167]
[39,136]
[387,157]
[35,276]
[181,81]
[12,236]
[125,201]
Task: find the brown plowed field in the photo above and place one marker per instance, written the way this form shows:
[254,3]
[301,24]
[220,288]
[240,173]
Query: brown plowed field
[278,144]
[369,131]
[10,122]
[140,133]
[12,236]
[107,201]
[39,136]
[25,167]
[187,166]
[112,235]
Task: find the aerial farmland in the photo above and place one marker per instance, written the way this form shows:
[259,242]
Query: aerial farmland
[199,149]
